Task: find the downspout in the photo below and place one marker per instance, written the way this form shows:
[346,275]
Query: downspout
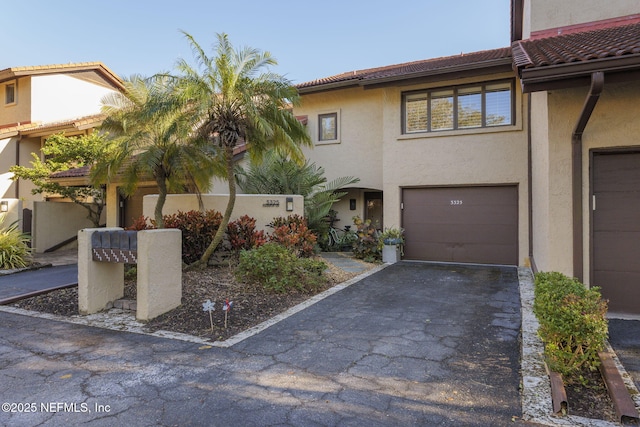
[17,181]
[597,84]
[532,261]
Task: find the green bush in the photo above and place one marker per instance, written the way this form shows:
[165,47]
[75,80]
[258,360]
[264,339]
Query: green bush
[14,249]
[293,233]
[573,325]
[366,247]
[279,269]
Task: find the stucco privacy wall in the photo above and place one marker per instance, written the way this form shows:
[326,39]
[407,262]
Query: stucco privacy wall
[613,124]
[546,14]
[55,222]
[259,206]
[490,156]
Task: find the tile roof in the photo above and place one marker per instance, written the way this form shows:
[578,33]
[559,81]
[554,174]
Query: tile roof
[72,67]
[79,123]
[73,173]
[578,47]
[413,69]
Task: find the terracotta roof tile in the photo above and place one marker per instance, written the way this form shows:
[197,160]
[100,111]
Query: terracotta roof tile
[85,122]
[73,173]
[410,69]
[13,72]
[578,47]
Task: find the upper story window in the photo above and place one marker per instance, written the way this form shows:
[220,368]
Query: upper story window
[10,93]
[328,127]
[464,107]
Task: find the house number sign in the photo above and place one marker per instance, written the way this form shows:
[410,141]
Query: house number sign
[271,203]
[456,202]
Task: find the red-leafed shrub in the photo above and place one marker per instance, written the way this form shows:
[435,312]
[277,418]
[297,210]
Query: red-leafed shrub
[198,229]
[140,223]
[243,234]
[293,233]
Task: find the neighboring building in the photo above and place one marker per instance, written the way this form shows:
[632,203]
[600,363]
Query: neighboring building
[36,102]
[580,62]
[525,155]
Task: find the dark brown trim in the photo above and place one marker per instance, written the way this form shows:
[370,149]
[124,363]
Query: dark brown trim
[477,69]
[597,84]
[558,76]
[516,19]
[530,179]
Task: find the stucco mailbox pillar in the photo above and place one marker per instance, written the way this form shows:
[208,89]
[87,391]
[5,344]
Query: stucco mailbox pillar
[159,272]
[98,282]
[102,253]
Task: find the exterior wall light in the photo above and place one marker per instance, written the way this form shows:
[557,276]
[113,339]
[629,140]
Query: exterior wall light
[289,204]
[4,206]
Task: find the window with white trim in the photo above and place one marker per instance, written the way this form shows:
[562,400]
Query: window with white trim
[464,107]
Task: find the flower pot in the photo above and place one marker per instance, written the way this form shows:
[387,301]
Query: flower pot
[390,254]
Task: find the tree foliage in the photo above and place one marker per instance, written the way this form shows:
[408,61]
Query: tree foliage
[232,97]
[62,153]
[152,142]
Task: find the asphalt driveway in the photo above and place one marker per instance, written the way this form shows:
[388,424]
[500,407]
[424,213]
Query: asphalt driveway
[413,344]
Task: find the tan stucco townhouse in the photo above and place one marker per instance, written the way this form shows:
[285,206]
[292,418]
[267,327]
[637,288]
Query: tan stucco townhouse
[36,102]
[526,155]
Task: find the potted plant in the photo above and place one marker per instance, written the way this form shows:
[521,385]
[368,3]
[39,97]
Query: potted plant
[392,241]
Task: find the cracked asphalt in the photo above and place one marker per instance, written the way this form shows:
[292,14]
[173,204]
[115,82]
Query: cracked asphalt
[413,344]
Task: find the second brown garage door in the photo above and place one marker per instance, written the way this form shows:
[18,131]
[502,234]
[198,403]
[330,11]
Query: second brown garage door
[461,224]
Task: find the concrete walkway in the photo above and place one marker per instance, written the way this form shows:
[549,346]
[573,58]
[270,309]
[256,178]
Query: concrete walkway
[413,344]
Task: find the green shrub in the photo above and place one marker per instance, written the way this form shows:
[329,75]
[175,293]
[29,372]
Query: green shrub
[366,247]
[243,235]
[14,249]
[198,229]
[292,232]
[279,269]
[572,320]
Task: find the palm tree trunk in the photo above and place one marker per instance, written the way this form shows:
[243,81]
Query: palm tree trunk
[162,197]
[202,262]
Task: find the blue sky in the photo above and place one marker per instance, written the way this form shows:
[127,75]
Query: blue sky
[310,40]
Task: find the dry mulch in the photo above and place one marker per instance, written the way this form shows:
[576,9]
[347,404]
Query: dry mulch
[252,303]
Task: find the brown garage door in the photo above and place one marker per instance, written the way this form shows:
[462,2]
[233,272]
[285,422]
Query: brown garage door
[461,224]
[616,229]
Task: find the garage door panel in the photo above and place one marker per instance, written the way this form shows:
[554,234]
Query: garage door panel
[618,288]
[462,224]
[616,229]
[474,233]
[619,210]
[624,257]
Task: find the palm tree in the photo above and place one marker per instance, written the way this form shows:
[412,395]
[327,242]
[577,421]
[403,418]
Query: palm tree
[233,98]
[279,175]
[150,142]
